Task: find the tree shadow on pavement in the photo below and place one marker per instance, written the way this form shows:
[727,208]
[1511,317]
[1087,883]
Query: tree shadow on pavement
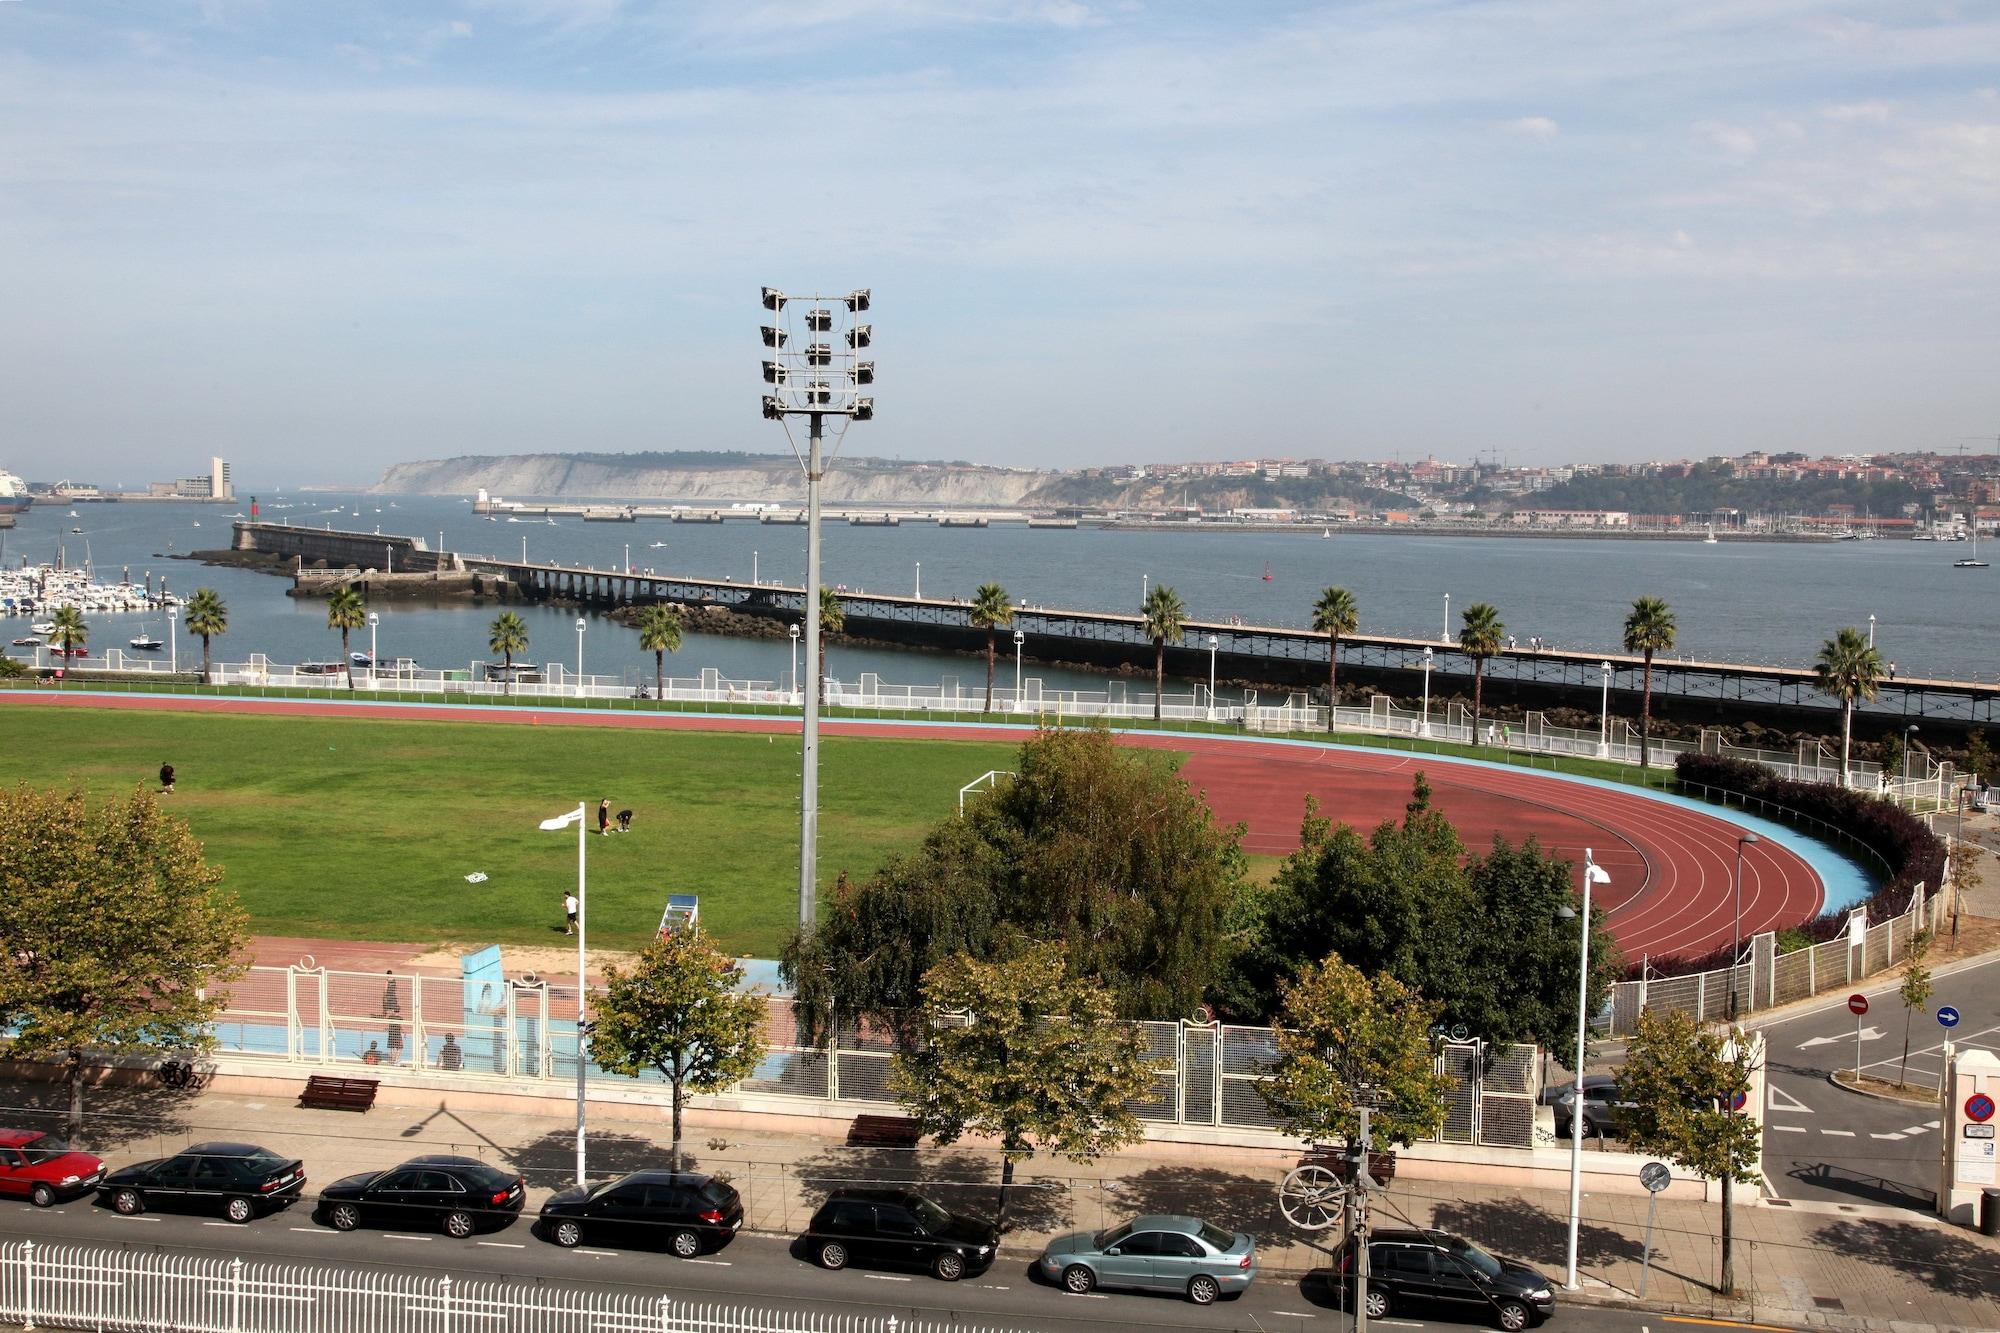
[1517,1229]
[960,1179]
[139,1117]
[1228,1199]
[1864,1185]
[549,1162]
[1940,1260]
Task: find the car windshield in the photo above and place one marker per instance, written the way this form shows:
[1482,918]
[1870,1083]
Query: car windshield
[929,1216]
[486,1177]
[260,1159]
[718,1193]
[1473,1257]
[1104,1240]
[44,1149]
[1218,1239]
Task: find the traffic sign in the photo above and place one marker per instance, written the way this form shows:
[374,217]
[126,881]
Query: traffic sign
[1736,1103]
[1857,1004]
[1947,1016]
[1654,1176]
[1979,1108]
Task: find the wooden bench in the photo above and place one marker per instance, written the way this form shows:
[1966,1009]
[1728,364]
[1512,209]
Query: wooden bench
[343,1094]
[883,1131]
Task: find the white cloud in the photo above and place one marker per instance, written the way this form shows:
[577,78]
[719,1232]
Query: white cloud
[1731,139]
[1535,127]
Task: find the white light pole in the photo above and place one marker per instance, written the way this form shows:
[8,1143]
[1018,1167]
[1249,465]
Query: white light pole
[1871,630]
[1908,732]
[374,619]
[1145,587]
[173,640]
[795,659]
[524,550]
[628,557]
[1019,639]
[919,593]
[754,571]
[1604,714]
[814,378]
[1736,948]
[1424,727]
[1446,636]
[580,624]
[1213,644]
[576,817]
[1592,874]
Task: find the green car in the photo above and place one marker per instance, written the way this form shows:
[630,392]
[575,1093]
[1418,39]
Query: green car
[1184,1255]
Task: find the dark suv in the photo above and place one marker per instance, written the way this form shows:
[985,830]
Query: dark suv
[239,1180]
[686,1212]
[899,1229]
[1434,1268]
[459,1194]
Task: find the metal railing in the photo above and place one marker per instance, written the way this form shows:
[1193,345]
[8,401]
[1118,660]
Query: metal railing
[105,1287]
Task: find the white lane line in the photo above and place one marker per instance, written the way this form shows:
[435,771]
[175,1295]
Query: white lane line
[1780,1129]
[1933,1124]
[127,1217]
[390,1235]
[884,1277]
[1891,1137]
[1300,1314]
[315,1231]
[502,1245]
[221,1224]
[989,1286]
[712,1263]
[1917,1129]
[605,1254]
[1839,1133]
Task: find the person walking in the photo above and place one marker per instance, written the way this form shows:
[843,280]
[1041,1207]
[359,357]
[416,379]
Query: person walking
[390,1005]
[450,1056]
[569,913]
[604,816]
[166,779]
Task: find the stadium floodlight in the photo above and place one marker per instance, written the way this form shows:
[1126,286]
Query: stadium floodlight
[815,377]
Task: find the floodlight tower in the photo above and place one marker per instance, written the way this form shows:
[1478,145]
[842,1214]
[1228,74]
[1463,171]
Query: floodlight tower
[812,369]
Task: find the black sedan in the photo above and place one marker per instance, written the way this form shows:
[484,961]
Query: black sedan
[687,1212]
[899,1229]
[459,1194]
[239,1180]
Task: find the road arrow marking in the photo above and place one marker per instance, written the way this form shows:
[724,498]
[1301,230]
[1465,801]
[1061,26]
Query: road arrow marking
[1867,1034]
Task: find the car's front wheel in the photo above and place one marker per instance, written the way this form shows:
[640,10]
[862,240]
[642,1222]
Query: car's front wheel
[1203,1289]
[43,1196]
[684,1243]
[1378,1303]
[833,1255]
[567,1234]
[1078,1279]
[458,1224]
[1511,1315]
[948,1267]
[343,1217]
[239,1210]
[129,1202]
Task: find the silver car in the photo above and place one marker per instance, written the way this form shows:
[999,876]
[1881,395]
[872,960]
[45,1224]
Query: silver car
[1158,1253]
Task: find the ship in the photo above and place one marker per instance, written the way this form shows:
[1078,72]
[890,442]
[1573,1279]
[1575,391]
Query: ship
[13,494]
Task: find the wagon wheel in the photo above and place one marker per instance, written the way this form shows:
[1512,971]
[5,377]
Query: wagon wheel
[1312,1198]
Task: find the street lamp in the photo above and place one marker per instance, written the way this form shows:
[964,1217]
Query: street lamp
[1871,630]
[1446,636]
[580,624]
[811,372]
[919,592]
[795,659]
[1907,733]
[374,619]
[1736,948]
[174,646]
[576,817]
[1424,727]
[1019,639]
[1592,874]
[1604,714]
[1213,643]
[754,571]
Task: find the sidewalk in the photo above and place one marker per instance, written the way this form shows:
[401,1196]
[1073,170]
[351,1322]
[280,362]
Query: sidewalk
[1845,1266]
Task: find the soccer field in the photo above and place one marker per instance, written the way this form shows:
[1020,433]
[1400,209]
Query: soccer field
[366,829]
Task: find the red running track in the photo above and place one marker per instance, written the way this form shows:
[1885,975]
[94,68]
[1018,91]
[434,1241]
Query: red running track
[1671,867]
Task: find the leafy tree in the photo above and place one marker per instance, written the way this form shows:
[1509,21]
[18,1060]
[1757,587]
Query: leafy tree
[1978,757]
[506,636]
[346,611]
[1340,1032]
[1479,636]
[1334,614]
[1849,670]
[207,616]
[659,628]
[70,633]
[1889,753]
[1649,628]
[1164,615]
[1099,846]
[117,938]
[992,610]
[677,1011]
[1916,992]
[832,620]
[12,668]
[1681,1080]
[1025,1052]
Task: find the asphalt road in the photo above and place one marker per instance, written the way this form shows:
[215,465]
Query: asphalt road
[757,1271]
[1828,1144]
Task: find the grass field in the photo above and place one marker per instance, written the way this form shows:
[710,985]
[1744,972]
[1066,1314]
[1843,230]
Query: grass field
[366,830]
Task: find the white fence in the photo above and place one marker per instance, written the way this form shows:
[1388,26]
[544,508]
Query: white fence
[102,1287]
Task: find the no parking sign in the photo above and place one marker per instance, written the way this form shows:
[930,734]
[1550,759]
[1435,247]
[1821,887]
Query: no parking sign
[1979,1108]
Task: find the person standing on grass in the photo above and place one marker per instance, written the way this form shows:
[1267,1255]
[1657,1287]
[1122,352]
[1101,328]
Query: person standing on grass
[166,779]
[569,913]
[604,815]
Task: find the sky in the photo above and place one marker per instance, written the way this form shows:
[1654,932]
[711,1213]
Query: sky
[321,238]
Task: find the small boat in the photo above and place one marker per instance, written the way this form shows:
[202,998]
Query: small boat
[1709,540]
[1326,532]
[361,659]
[551,522]
[658,546]
[43,627]
[26,643]
[146,643]
[1267,571]
[197,522]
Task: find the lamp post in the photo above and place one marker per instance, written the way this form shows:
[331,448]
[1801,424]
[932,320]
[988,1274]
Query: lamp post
[795,659]
[1871,629]
[918,592]
[174,649]
[755,572]
[1604,714]
[1145,587]
[576,817]
[1908,732]
[1592,874]
[1424,727]
[1736,935]
[374,619]
[815,378]
[580,625]
[1213,644]
[1446,636]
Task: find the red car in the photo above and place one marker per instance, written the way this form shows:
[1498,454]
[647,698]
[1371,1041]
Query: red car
[44,1169]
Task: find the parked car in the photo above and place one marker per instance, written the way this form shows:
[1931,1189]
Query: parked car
[686,1212]
[240,1180]
[43,1169]
[1184,1255]
[899,1229]
[1603,1112]
[460,1195]
[1434,1269]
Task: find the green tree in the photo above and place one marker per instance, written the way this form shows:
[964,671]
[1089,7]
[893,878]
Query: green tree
[1334,614]
[12,668]
[1341,1032]
[70,633]
[832,620]
[1024,1052]
[659,628]
[1649,629]
[1978,757]
[117,939]
[1889,753]
[992,610]
[1850,670]
[1916,992]
[207,616]
[346,611]
[677,1011]
[506,636]
[1164,616]
[1480,634]
[1680,1080]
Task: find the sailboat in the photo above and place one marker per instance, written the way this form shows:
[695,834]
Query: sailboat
[1325,532]
[1267,571]
[1973,561]
[145,642]
[1709,540]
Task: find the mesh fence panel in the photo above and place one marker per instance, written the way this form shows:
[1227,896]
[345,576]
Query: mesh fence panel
[1200,1048]
[1791,976]
[1162,1044]
[1674,993]
[1461,1119]
[1247,1056]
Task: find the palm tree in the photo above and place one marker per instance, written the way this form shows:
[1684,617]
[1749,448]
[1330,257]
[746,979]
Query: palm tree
[207,616]
[832,620]
[506,636]
[70,632]
[346,611]
[1334,614]
[991,611]
[1479,637]
[659,634]
[1164,614]
[1848,669]
[1649,629]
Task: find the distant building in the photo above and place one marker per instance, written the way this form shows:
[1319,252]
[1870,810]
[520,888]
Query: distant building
[215,486]
[1570,518]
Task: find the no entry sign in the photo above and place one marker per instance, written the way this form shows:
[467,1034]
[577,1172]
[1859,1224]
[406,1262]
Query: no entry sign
[1979,1108]
[1857,1005]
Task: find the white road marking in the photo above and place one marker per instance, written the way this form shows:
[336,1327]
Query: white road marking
[1933,1124]
[990,1286]
[315,1231]
[221,1224]
[1919,1129]
[390,1235]
[1891,1137]
[712,1263]
[1300,1314]
[1867,1034]
[502,1245]
[1790,1103]
[1839,1133]
[884,1277]
[1786,1129]
[127,1217]
[603,1254]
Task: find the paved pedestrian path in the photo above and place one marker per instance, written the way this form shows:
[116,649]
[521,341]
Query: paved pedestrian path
[1842,1266]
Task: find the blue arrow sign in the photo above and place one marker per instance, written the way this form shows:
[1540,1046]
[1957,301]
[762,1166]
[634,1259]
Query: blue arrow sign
[1947,1016]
